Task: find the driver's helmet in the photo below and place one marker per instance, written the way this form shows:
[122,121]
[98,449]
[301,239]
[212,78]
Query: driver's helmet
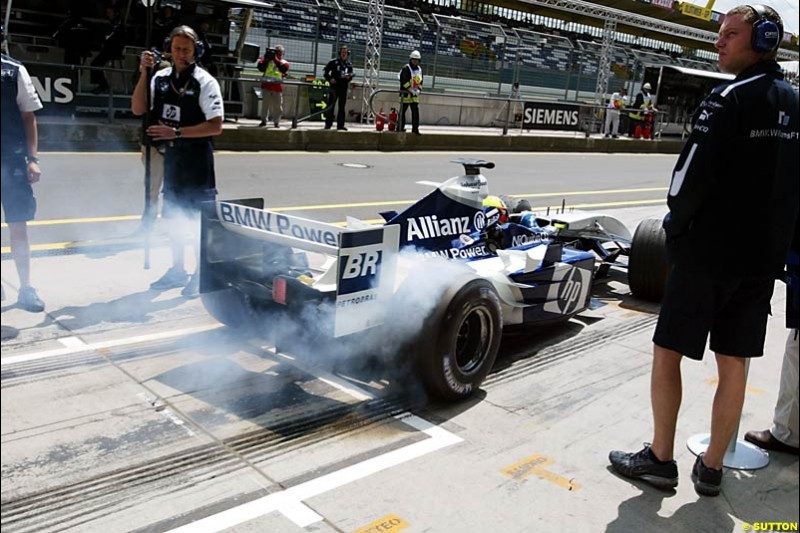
[495,210]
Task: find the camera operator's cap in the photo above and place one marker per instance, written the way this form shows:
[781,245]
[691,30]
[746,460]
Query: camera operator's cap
[415,55]
[647,86]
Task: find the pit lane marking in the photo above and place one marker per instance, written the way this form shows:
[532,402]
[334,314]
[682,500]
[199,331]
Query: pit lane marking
[388,524]
[535,465]
[74,345]
[289,502]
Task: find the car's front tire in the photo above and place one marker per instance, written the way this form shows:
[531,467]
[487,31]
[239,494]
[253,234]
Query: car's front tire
[648,267]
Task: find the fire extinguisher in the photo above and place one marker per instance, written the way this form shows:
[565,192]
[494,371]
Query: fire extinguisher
[648,126]
[392,119]
[379,120]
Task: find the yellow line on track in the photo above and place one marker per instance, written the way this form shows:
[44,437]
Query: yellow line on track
[630,203]
[319,207]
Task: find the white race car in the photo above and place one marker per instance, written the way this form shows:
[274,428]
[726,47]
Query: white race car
[439,280]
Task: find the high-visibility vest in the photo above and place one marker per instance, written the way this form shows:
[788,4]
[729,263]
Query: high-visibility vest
[412,88]
[272,74]
[648,101]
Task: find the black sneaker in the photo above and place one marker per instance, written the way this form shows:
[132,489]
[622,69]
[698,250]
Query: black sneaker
[262,124]
[192,289]
[707,481]
[645,466]
[29,300]
[174,278]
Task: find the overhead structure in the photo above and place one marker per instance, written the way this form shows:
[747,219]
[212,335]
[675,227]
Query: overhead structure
[581,7]
[609,29]
[372,56]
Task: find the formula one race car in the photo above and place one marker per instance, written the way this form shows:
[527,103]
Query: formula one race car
[439,280]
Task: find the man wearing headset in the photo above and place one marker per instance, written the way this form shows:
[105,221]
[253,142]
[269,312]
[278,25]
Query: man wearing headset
[742,155]
[338,72]
[19,164]
[186,112]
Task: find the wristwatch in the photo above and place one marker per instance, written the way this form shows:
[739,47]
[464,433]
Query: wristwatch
[32,159]
[177,132]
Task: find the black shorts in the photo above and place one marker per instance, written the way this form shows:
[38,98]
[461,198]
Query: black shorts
[185,203]
[734,310]
[189,178]
[19,203]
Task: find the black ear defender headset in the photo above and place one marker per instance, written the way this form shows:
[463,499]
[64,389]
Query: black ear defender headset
[767,34]
[185,31]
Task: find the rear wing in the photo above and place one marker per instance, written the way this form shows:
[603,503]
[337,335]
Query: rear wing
[245,246]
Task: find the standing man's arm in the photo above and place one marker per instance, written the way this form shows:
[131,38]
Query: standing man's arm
[699,165]
[28,102]
[32,142]
[139,98]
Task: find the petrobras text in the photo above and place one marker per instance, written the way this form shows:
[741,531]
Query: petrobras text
[431,226]
[278,226]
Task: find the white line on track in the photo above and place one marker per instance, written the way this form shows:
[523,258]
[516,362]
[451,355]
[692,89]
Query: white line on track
[73,345]
[289,502]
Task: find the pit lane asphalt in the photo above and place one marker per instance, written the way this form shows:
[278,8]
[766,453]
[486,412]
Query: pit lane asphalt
[99,196]
[129,410]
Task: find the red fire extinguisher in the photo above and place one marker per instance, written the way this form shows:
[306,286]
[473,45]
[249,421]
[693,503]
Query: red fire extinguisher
[379,120]
[648,126]
[392,119]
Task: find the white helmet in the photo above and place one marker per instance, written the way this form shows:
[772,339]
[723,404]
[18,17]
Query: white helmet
[647,87]
[415,55]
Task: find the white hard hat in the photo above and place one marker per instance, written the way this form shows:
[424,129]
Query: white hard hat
[647,86]
[415,55]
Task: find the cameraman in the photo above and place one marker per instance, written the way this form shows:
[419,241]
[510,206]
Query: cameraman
[186,112]
[338,72]
[275,69]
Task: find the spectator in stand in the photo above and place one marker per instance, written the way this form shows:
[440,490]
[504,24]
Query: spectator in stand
[206,60]
[74,35]
[163,24]
[113,45]
[275,68]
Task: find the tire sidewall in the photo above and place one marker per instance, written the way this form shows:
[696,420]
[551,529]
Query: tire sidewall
[440,365]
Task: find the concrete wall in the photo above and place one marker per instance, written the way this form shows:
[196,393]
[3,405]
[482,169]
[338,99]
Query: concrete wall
[125,135]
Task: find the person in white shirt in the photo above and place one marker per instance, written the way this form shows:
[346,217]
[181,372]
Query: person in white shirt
[617,102]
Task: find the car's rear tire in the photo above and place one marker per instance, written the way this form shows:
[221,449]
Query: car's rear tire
[231,307]
[459,344]
[648,267]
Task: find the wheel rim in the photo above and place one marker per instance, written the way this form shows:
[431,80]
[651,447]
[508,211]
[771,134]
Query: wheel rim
[473,340]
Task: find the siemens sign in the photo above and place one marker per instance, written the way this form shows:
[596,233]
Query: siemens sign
[544,116]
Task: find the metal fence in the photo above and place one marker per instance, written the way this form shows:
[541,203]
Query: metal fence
[458,53]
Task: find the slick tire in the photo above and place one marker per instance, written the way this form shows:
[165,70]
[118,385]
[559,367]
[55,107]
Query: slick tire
[648,267]
[460,343]
[230,307]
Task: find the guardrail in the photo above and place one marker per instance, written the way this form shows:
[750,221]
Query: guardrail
[590,114]
[589,122]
